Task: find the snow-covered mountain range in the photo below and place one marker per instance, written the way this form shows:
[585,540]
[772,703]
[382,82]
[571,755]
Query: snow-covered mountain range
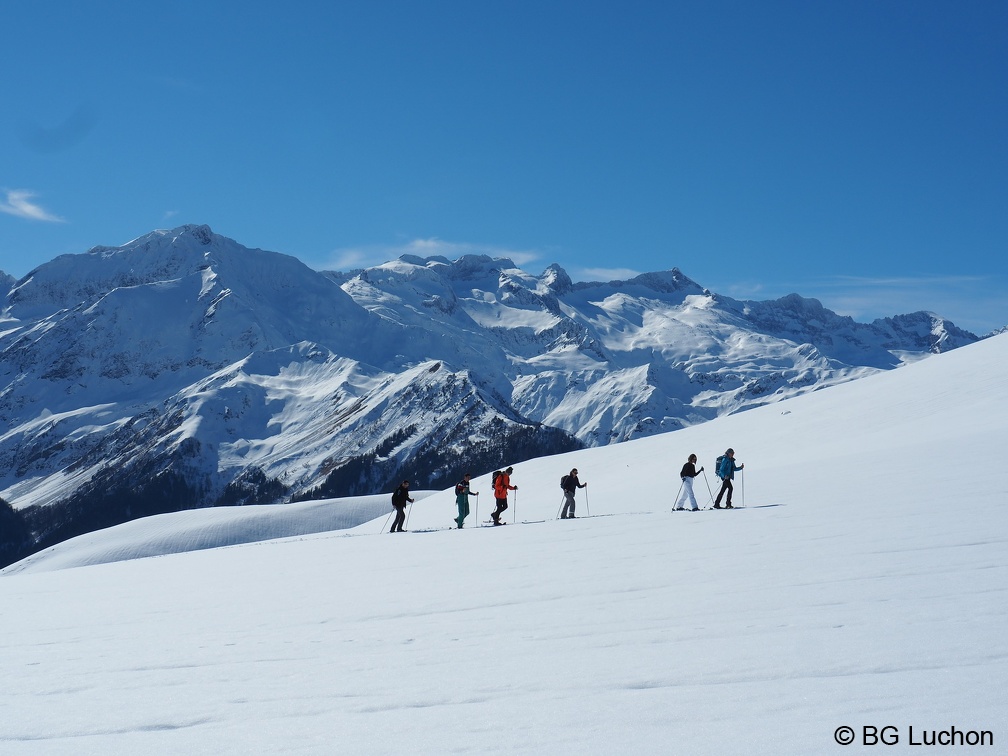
[184,370]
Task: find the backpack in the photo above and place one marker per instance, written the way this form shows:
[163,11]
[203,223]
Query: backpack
[563,482]
[496,474]
[460,488]
[717,466]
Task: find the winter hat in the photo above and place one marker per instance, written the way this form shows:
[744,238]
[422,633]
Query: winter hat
[730,451]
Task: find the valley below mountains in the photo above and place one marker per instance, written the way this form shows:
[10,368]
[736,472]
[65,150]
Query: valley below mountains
[184,370]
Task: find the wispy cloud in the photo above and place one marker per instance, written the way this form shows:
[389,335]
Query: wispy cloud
[19,203]
[348,258]
[970,301]
[604,274]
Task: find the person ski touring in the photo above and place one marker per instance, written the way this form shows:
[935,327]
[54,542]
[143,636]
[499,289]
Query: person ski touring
[570,483]
[687,474]
[502,484]
[462,499]
[399,498]
[726,471]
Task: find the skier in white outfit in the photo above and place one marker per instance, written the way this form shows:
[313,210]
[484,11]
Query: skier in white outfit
[687,474]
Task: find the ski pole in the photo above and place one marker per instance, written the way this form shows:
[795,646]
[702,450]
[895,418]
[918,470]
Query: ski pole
[386,523]
[514,512]
[675,501]
[587,508]
[477,507]
[709,491]
[741,481]
[409,509]
[562,500]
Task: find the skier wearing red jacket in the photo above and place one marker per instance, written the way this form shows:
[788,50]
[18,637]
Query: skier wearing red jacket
[502,484]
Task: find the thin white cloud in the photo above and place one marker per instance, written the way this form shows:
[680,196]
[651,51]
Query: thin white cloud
[349,258]
[19,203]
[961,298]
[902,282]
[746,290]
[863,297]
[974,302]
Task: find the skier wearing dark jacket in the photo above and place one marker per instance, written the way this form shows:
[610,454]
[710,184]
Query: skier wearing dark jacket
[399,498]
[726,471]
[570,485]
[687,474]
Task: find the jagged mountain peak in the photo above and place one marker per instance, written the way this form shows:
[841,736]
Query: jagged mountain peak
[671,281]
[200,234]
[164,256]
[798,303]
[663,283]
[188,237]
[491,274]
[804,309]
[424,262]
[556,280]
[73,279]
[475,267]
[470,268]
[924,331]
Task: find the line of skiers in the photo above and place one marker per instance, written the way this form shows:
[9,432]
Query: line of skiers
[501,485]
[726,469]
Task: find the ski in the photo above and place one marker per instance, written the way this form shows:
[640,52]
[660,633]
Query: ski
[426,530]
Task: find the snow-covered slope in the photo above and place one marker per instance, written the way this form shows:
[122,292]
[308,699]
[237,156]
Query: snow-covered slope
[863,585]
[198,529]
[184,370]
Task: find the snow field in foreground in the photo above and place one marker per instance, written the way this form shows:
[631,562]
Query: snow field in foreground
[864,584]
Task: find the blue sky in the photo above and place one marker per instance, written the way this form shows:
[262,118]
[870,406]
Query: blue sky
[852,151]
